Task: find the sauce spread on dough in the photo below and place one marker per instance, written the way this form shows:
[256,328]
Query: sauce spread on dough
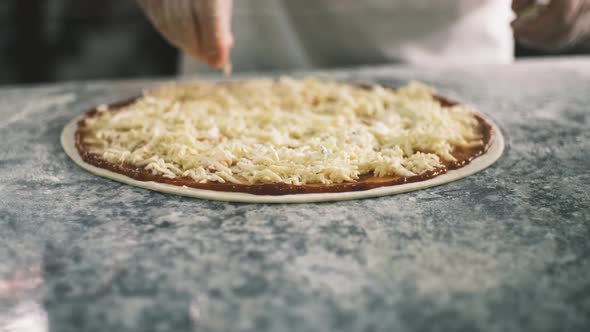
[365,182]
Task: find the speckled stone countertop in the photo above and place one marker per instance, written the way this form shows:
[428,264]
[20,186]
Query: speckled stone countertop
[504,250]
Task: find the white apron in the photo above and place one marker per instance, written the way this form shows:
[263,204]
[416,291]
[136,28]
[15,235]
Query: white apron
[306,34]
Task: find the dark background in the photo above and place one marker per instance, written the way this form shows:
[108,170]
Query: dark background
[56,40]
[53,40]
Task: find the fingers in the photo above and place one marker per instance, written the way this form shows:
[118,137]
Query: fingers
[183,26]
[214,17]
[175,21]
[550,28]
[201,28]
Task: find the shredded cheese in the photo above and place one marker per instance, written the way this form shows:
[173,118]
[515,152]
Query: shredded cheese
[282,131]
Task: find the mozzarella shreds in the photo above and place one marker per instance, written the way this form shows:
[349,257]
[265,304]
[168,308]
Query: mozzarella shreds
[283,131]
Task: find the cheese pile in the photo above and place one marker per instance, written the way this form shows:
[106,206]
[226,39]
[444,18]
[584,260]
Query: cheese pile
[287,130]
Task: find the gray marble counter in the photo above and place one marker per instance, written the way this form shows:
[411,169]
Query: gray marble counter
[504,250]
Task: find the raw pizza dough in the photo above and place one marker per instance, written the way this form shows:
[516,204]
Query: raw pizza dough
[494,152]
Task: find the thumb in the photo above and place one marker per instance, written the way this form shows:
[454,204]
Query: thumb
[214,18]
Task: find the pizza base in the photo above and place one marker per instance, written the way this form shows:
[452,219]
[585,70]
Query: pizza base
[488,158]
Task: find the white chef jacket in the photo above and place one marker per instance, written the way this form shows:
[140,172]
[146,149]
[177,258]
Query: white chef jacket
[306,34]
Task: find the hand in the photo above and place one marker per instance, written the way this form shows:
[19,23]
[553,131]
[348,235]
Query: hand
[560,24]
[201,28]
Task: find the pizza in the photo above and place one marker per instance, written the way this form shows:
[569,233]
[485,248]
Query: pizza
[282,137]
